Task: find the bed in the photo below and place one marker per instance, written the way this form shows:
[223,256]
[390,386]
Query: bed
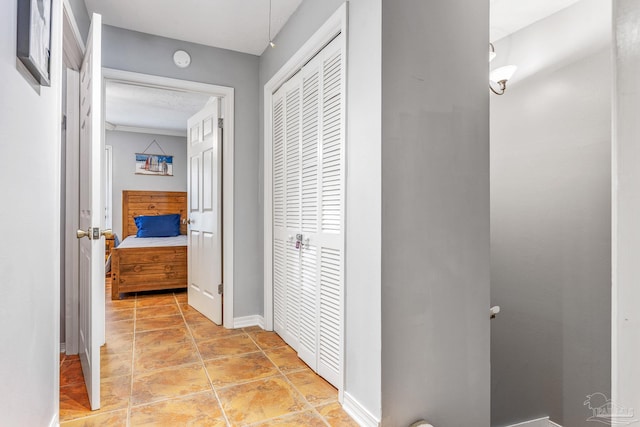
[152,263]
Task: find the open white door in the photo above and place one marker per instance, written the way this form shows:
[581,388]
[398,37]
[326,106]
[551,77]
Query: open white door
[204,153]
[91,263]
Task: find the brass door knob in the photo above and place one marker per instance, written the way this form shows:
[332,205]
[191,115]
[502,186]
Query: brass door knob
[82,233]
[107,233]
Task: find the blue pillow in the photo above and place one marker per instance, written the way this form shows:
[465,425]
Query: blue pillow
[158,225]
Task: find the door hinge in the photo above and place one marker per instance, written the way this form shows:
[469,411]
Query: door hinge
[220,289]
[64,122]
[220,123]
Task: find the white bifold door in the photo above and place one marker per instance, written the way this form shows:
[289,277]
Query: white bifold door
[308,211]
[204,153]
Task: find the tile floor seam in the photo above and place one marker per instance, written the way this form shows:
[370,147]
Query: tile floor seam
[288,414]
[133,355]
[289,381]
[195,344]
[255,335]
[169,399]
[313,408]
[91,415]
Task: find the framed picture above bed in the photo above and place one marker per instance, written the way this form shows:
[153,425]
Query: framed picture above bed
[34,38]
[154,164]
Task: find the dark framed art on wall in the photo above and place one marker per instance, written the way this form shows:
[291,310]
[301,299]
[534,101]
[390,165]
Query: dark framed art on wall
[34,38]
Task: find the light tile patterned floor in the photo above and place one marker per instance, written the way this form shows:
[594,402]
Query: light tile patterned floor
[165,364]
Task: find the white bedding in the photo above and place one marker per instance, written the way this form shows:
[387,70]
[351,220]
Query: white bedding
[153,242]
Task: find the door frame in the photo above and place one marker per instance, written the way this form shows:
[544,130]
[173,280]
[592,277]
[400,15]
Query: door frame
[227,94]
[335,25]
[73,52]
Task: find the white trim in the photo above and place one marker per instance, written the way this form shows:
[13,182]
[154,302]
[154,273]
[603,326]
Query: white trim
[55,421]
[538,422]
[152,131]
[247,321]
[335,24]
[358,412]
[63,348]
[227,93]
[72,207]
[108,200]
[615,173]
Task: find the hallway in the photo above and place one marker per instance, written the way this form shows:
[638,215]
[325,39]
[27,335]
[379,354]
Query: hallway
[166,364]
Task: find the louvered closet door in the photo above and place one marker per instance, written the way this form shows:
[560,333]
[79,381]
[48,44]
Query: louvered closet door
[308,199]
[330,231]
[286,190]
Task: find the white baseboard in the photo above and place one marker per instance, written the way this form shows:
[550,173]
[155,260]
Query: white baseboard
[539,422]
[358,412]
[54,421]
[246,321]
[63,348]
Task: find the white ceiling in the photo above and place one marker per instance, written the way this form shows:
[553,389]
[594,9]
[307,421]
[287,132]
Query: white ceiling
[509,16]
[240,25]
[150,110]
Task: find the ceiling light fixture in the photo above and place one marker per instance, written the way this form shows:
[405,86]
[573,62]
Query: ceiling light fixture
[271,43]
[500,75]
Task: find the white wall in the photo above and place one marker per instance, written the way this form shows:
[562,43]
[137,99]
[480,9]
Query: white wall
[30,230]
[125,146]
[363,382]
[551,220]
[626,205]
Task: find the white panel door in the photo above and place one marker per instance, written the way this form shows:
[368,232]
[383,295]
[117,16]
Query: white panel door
[204,154]
[91,263]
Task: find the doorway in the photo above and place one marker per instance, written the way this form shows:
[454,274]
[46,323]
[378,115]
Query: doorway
[226,95]
[206,91]
[550,157]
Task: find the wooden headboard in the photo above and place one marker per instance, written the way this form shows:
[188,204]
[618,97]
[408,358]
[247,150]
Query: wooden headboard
[136,203]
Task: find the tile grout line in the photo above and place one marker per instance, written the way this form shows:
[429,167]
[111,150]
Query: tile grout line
[195,344]
[133,356]
[288,380]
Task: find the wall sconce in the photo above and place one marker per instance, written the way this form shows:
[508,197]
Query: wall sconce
[500,75]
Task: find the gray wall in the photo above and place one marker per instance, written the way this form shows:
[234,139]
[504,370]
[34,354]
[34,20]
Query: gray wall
[362,342]
[626,352]
[144,53]
[550,236]
[30,230]
[435,213]
[125,146]
[81,16]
